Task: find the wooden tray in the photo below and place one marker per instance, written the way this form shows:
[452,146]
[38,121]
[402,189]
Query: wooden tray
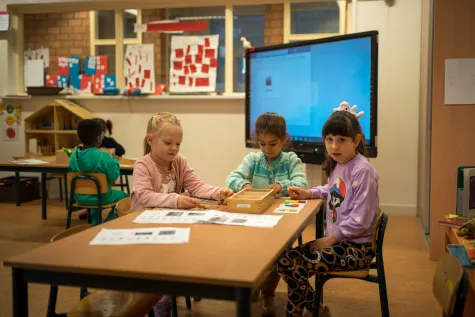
[251,201]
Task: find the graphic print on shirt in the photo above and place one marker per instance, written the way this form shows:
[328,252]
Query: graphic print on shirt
[169,184]
[337,196]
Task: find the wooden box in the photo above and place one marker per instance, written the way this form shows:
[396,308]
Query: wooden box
[251,201]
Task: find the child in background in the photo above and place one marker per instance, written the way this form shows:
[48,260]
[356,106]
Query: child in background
[351,213]
[108,142]
[162,173]
[89,159]
[274,169]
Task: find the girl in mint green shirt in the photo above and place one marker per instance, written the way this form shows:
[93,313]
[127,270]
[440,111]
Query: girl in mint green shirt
[273,169]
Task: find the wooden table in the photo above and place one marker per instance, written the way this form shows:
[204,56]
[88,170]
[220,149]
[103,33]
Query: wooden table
[220,262]
[126,168]
[451,237]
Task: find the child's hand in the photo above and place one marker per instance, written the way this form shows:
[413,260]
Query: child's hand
[299,193]
[186,202]
[277,188]
[247,186]
[322,243]
[225,193]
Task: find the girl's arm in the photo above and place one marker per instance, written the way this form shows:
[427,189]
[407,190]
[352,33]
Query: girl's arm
[365,202]
[320,191]
[196,187]
[297,176]
[143,191]
[242,175]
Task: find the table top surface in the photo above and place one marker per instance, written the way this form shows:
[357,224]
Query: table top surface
[124,163]
[233,256]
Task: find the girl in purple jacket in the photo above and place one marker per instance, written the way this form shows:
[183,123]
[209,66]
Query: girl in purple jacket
[352,205]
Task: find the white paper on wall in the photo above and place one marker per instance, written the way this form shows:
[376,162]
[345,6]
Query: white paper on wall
[139,71]
[193,63]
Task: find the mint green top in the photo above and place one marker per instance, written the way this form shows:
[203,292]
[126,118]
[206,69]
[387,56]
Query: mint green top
[94,161]
[286,170]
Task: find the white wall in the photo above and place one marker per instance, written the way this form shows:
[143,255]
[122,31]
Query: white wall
[214,130]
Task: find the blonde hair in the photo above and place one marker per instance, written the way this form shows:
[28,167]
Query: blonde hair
[156,123]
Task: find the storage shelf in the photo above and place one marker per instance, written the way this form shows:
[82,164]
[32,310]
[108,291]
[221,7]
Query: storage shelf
[51,131]
[237,96]
[37,131]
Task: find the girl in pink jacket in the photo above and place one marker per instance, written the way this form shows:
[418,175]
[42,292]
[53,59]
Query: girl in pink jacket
[162,173]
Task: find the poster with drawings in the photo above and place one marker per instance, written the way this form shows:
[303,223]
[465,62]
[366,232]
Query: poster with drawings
[193,63]
[38,54]
[139,71]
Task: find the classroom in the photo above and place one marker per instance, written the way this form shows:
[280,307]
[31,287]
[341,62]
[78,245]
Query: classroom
[231,157]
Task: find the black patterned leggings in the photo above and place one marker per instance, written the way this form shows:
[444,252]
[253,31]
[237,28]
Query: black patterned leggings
[299,264]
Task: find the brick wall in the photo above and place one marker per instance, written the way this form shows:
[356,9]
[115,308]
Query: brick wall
[159,42]
[273,24]
[65,34]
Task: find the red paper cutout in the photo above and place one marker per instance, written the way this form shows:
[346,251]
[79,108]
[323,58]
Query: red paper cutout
[182,80]
[213,63]
[209,53]
[188,59]
[198,59]
[101,65]
[177,66]
[147,73]
[190,81]
[137,82]
[200,49]
[187,70]
[205,68]
[202,82]
[207,42]
[188,49]
[193,69]
[98,86]
[179,53]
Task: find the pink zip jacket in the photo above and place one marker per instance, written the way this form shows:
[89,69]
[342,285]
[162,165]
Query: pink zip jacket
[147,190]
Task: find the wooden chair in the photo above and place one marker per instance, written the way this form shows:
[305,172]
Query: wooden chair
[53,293]
[450,286]
[363,274]
[87,183]
[123,206]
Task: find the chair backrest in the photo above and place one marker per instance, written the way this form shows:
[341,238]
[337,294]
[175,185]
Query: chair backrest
[123,206]
[378,233]
[450,285]
[69,232]
[88,183]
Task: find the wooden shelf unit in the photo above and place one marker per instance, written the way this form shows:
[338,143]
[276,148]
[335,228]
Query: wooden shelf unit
[54,126]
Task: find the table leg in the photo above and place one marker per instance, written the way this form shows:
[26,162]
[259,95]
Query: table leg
[243,302]
[320,230]
[20,294]
[43,196]
[17,189]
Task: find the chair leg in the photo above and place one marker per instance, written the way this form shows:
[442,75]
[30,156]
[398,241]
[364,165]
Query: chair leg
[53,296]
[70,211]
[383,294]
[320,281]
[127,184]
[174,307]
[60,181]
[188,302]
[197,299]
[66,189]
[300,240]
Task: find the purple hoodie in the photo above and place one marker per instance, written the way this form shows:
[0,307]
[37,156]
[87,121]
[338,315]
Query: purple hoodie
[352,200]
